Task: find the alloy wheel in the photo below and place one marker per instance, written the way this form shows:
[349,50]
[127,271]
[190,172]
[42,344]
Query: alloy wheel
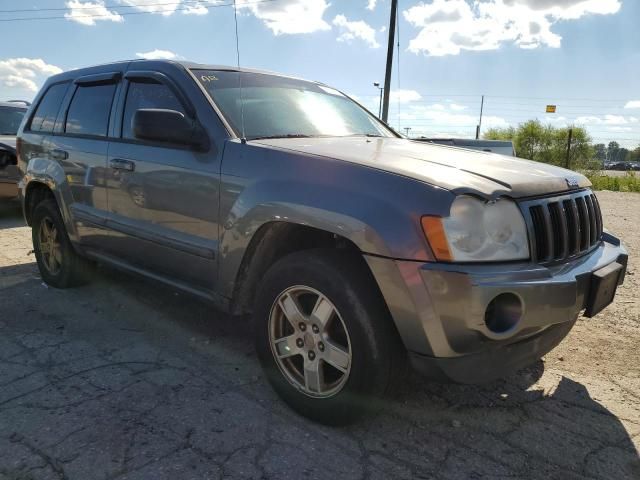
[310,342]
[50,247]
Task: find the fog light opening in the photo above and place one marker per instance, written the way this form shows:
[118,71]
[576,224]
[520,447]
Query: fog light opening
[503,313]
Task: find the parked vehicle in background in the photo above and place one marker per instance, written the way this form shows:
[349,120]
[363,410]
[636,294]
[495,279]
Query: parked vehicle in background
[622,166]
[493,146]
[19,102]
[354,249]
[11,114]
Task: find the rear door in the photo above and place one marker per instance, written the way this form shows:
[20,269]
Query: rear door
[79,144]
[163,198]
[42,122]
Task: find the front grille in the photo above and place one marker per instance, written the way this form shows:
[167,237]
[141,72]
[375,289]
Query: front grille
[564,226]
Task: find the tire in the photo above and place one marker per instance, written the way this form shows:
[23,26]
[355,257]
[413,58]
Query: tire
[68,269]
[348,386]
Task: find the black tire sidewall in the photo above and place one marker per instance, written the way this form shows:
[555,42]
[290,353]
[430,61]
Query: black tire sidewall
[68,275]
[339,278]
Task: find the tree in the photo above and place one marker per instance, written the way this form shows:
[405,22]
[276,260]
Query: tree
[500,133]
[548,144]
[582,153]
[600,152]
[623,155]
[613,150]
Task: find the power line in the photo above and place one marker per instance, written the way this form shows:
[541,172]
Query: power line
[562,107]
[542,100]
[125,14]
[565,98]
[90,7]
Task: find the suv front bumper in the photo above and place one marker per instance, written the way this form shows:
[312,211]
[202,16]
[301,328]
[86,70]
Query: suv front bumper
[439,310]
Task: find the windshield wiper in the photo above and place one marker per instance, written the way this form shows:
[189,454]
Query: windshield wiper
[373,135]
[302,135]
[288,135]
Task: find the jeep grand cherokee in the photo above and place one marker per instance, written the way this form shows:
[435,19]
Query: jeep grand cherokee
[353,248]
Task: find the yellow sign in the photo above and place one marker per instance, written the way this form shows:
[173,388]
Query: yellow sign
[551,109]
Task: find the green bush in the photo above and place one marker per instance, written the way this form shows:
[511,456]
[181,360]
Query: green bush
[630,182]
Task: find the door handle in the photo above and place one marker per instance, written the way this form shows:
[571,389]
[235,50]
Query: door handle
[58,154]
[120,164]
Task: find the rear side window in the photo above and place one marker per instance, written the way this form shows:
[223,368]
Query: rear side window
[45,115]
[90,109]
[147,95]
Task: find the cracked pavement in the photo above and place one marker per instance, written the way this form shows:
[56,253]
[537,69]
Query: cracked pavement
[126,379]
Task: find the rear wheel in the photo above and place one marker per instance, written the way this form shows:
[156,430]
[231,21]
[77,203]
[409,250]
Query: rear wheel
[324,336]
[59,264]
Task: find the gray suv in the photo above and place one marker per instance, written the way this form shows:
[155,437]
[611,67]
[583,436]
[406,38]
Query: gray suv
[356,251]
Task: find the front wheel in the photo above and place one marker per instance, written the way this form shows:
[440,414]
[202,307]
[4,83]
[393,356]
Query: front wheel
[324,336]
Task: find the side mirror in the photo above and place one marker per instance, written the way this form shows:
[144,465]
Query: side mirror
[169,126]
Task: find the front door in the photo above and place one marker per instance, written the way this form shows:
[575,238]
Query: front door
[162,199]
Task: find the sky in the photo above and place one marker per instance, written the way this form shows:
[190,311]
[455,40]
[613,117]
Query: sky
[581,55]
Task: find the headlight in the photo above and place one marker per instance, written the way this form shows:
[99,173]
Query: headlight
[477,231]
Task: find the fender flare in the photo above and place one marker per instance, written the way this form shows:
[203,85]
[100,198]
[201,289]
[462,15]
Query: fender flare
[42,171]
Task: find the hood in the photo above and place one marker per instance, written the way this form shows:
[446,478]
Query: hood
[8,142]
[456,169]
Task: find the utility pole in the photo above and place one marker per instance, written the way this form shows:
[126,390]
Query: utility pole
[480,122]
[568,161]
[407,129]
[387,76]
[377,85]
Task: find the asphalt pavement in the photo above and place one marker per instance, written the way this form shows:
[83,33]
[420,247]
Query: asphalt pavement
[126,379]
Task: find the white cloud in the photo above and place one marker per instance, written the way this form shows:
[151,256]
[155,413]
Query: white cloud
[158,55]
[434,121]
[632,104]
[619,129]
[199,7]
[165,8]
[440,119]
[289,16]
[14,81]
[351,30]
[25,74]
[570,9]
[445,119]
[169,7]
[88,13]
[456,107]
[606,120]
[281,16]
[371,4]
[449,26]
[404,96]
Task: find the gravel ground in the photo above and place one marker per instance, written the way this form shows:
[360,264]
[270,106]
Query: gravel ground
[126,379]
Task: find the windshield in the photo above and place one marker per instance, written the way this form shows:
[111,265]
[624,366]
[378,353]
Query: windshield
[274,106]
[10,119]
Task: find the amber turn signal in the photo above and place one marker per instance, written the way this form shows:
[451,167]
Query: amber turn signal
[434,231]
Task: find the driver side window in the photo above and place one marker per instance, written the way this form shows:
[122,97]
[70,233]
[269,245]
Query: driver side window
[147,94]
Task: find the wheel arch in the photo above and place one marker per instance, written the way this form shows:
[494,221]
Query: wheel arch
[45,176]
[271,242]
[35,192]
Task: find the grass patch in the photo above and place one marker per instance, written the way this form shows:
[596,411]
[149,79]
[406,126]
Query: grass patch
[630,182]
